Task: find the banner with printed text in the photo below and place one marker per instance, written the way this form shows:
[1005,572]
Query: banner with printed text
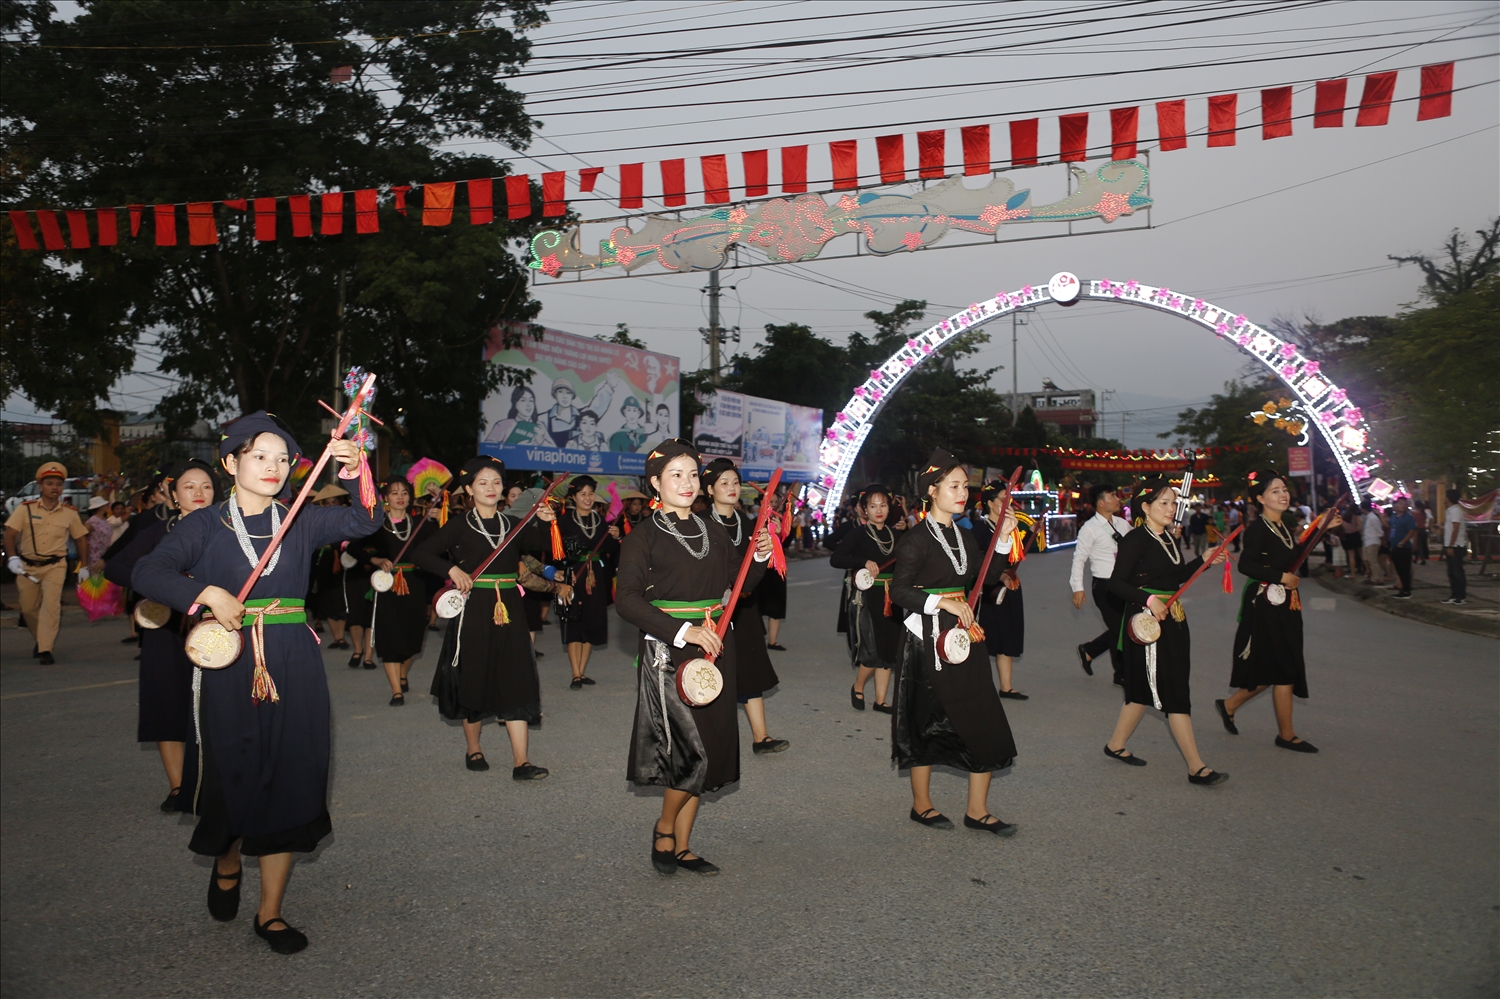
[761,435]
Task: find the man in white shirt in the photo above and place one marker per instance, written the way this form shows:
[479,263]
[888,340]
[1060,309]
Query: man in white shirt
[1455,549]
[1098,543]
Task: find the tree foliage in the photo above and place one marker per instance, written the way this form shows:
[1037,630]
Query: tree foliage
[1464,267]
[164,101]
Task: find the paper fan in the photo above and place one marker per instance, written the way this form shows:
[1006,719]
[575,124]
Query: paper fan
[299,472]
[100,598]
[426,474]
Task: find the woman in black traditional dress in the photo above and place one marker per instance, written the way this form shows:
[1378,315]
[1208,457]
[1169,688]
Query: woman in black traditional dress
[874,626]
[770,595]
[1268,644]
[399,615]
[946,714]
[359,609]
[1148,570]
[264,720]
[754,673]
[325,588]
[674,570]
[1002,611]
[165,694]
[591,549]
[488,643]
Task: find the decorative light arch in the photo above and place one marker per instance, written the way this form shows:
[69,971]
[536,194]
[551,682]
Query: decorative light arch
[1334,414]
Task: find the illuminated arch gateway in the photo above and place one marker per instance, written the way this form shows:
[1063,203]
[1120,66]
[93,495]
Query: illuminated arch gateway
[1334,414]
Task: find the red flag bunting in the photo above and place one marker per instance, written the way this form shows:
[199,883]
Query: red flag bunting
[976,143]
[757,173]
[1171,124]
[588,177]
[135,218]
[398,192]
[332,210]
[715,179]
[1275,113]
[518,196]
[25,237]
[630,185]
[793,169]
[932,153]
[1123,125]
[52,237]
[1375,102]
[481,201]
[265,219]
[238,204]
[1437,92]
[555,193]
[166,225]
[78,230]
[201,228]
[673,183]
[1073,133]
[108,222]
[844,156]
[1221,118]
[366,211]
[1328,111]
[891,150]
[1022,144]
[437,203]
[301,208]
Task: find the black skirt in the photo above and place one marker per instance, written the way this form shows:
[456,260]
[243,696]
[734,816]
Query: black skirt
[950,716]
[215,832]
[755,673]
[166,688]
[400,621]
[770,596]
[357,594]
[1268,644]
[497,675]
[874,639]
[1173,654]
[585,619]
[672,745]
[1004,623]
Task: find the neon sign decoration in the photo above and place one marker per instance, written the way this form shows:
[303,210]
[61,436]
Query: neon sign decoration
[793,229]
[1284,414]
[1327,407]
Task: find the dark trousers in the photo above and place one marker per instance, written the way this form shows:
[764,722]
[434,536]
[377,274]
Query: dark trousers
[1401,559]
[1112,609]
[1458,580]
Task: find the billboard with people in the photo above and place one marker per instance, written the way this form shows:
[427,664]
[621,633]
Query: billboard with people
[586,406]
[761,435]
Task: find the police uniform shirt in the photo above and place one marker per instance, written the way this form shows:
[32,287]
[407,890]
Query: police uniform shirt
[44,533]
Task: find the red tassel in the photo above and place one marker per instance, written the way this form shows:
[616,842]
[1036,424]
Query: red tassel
[557,546]
[399,587]
[443,510]
[887,598]
[1017,547]
[778,554]
[625,521]
[368,498]
[976,632]
[1228,578]
[786,520]
[1296,602]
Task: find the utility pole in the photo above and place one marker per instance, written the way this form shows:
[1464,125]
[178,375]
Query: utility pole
[1016,320]
[714,334]
[338,349]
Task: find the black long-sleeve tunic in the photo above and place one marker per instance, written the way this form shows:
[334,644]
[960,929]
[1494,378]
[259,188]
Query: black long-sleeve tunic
[496,667]
[874,635]
[1003,618]
[1268,642]
[589,562]
[165,696]
[1158,674]
[755,673]
[945,714]
[671,744]
[399,619]
[265,764]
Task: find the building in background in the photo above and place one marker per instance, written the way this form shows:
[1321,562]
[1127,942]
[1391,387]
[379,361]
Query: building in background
[1069,411]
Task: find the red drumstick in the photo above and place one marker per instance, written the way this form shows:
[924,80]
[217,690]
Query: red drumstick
[522,523]
[722,628]
[1320,529]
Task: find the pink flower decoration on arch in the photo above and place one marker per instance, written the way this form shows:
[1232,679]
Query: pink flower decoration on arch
[926,348]
[874,374]
[1026,291]
[860,391]
[551,265]
[908,361]
[1222,329]
[1198,304]
[1312,367]
[1243,339]
[1118,291]
[840,417]
[848,435]
[1359,472]
[1326,418]
[911,343]
[827,480]
[1288,351]
[1176,302]
[1338,397]
[877,395]
[1288,370]
[1239,321]
[1352,415]
[912,241]
[1132,285]
[1105,285]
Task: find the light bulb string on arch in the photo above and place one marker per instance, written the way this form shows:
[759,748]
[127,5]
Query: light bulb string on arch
[1340,422]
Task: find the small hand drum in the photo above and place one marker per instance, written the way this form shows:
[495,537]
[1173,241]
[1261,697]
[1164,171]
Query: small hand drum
[210,645]
[348,561]
[864,579]
[1144,628]
[382,581]
[1275,594]
[151,615]
[699,682]
[953,645]
[449,603]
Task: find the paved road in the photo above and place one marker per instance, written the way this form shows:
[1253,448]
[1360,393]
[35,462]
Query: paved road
[1370,869]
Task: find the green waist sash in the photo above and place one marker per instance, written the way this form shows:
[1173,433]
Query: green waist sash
[275,610]
[408,566]
[690,610]
[496,580]
[945,591]
[1120,638]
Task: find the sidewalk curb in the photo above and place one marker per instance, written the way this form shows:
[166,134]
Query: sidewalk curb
[1433,614]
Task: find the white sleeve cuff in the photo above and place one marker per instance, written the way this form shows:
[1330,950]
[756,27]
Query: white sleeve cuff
[930,607]
[762,558]
[681,640]
[1002,544]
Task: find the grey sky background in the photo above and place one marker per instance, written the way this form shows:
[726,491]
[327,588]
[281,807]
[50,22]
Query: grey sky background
[1292,226]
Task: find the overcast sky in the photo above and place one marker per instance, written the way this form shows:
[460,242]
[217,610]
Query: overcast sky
[1290,226]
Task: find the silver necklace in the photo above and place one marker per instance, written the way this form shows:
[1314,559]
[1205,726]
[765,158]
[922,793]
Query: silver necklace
[243,536]
[1282,535]
[591,528]
[885,549]
[665,523]
[739,526]
[477,523]
[397,532]
[961,562]
[1168,546]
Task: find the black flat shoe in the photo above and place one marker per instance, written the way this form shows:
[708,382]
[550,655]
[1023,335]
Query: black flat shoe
[405,687]
[885,709]
[368,664]
[775,648]
[575,684]
[528,772]
[397,700]
[857,698]
[170,804]
[586,681]
[340,644]
[286,940]
[1118,681]
[665,861]
[697,865]
[539,654]
[1132,759]
[354,661]
[1207,777]
[1226,718]
[1014,695]
[932,819]
[769,745]
[1297,746]
[130,640]
[433,627]
[998,827]
[476,762]
[224,903]
[1085,661]
[46,659]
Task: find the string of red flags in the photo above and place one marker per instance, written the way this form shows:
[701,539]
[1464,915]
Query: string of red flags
[1204,454]
[335,213]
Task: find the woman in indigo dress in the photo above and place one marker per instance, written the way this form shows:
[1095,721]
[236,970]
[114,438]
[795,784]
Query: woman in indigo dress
[264,721]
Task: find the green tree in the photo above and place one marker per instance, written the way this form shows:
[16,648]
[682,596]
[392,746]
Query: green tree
[1226,422]
[165,101]
[795,365]
[622,336]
